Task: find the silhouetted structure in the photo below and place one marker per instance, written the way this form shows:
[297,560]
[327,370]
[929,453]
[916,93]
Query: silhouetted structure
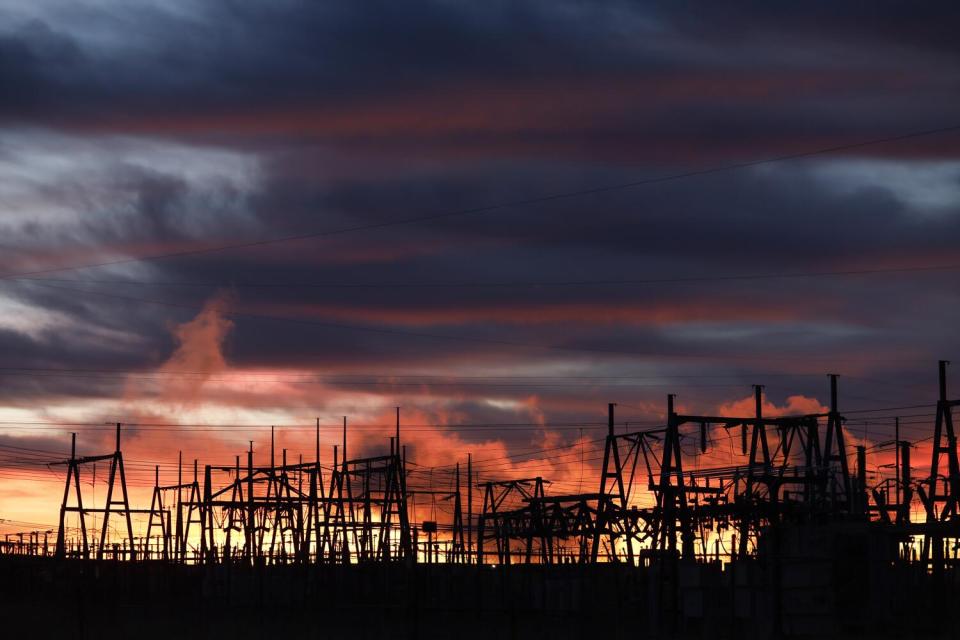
[779,522]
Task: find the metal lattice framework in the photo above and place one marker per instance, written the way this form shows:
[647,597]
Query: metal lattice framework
[653,501]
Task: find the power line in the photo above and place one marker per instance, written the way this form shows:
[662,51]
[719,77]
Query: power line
[493,207]
[461,338]
[911,406]
[275,376]
[162,426]
[509,285]
[386,383]
[111,425]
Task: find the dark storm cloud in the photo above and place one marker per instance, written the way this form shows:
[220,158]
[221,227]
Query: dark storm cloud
[121,206]
[224,52]
[782,219]
[83,334]
[783,215]
[498,77]
[924,27]
[356,114]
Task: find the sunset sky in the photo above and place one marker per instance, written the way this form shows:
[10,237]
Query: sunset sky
[220,216]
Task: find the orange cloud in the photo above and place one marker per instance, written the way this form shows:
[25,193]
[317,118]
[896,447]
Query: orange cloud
[199,352]
[794,406]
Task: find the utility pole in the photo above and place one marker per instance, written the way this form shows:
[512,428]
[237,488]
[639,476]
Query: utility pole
[469,507]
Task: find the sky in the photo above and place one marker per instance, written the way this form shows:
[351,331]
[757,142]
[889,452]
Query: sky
[309,210]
